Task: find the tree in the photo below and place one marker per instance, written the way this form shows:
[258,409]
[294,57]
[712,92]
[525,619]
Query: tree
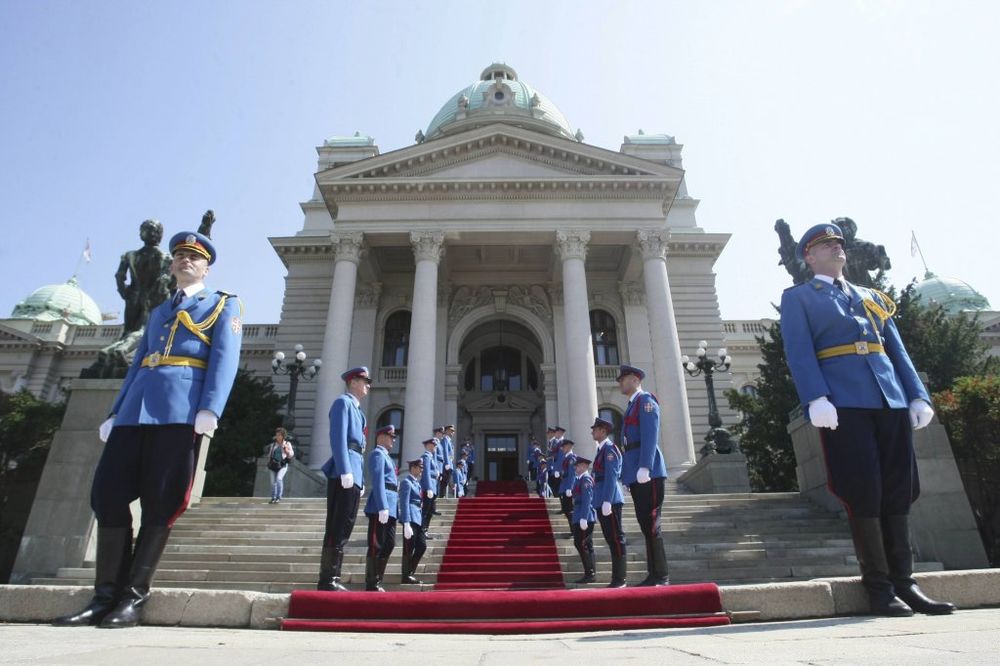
[971,413]
[250,417]
[763,433]
[27,426]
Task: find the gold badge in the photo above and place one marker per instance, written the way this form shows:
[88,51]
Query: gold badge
[154,359]
[236,325]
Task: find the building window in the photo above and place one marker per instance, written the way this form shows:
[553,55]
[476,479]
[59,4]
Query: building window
[532,376]
[612,415]
[604,335]
[470,375]
[395,350]
[394,417]
[500,369]
[749,389]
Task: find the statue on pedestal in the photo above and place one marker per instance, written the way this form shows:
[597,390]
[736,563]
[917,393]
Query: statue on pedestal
[862,256]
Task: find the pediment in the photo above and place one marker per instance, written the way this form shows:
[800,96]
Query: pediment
[501,149]
[9,334]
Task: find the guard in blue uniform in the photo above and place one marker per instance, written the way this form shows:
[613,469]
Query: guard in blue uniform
[535,455]
[429,482]
[344,473]
[555,446]
[608,498]
[469,451]
[445,460]
[411,518]
[643,470]
[542,487]
[460,478]
[859,387]
[381,508]
[567,476]
[583,519]
[174,392]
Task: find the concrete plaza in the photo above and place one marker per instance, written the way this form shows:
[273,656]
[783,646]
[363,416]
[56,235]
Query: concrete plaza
[967,637]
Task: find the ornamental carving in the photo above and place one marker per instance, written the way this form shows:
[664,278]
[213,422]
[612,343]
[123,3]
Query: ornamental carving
[631,293]
[572,244]
[427,245]
[367,296]
[531,298]
[466,300]
[347,246]
[653,243]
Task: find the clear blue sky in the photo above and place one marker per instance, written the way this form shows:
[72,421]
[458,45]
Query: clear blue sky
[113,112]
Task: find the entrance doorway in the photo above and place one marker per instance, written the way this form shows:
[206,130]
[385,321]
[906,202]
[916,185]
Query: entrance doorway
[501,457]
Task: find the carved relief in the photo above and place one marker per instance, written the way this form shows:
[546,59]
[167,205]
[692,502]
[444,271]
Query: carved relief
[632,293]
[466,300]
[367,296]
[532,298]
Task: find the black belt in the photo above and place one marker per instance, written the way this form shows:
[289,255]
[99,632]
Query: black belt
[354,446]
[632,446]
[392,486]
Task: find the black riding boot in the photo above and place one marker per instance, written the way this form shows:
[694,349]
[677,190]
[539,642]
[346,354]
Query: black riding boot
[657,565]
[618,571]
[114,557]
[589,572]
[381,564]
[149,547]
[870,549]
[408,569]
[329,570]
[371,575]
[899,554]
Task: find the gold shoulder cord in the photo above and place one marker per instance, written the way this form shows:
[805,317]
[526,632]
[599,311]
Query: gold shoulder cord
[183,318]
[874,310]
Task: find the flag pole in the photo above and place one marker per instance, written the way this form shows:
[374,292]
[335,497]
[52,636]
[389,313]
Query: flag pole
[914,245]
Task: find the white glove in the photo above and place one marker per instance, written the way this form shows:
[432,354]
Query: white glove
[606,509]
[557,475]
[447,466]
[347,480]
[383,516]
[822,413]
[205,422]
[642,476]
[569,493]
[105,430]
[430,494]
[407,531]
[583,523]
[920,414]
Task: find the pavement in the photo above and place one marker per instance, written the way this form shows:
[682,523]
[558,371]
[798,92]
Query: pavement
[967,637]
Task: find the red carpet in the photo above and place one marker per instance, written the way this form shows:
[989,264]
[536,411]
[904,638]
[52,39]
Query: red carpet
[501,540]
[524,612]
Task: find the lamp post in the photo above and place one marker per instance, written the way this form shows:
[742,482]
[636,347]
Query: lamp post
[717,439]
[295,369]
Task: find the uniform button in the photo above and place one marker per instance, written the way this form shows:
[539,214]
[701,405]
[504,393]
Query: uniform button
[162,338]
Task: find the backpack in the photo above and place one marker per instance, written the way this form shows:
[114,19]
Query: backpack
[276,460]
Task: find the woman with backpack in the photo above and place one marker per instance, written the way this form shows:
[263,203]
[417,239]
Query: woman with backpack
[278,454]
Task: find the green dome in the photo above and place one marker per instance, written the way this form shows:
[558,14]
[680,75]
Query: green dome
[499,97]
[59,301]
[952,294]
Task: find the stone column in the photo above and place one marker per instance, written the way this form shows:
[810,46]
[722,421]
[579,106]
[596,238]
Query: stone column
[572,248]
[428,248]
[336,341]
[676,441]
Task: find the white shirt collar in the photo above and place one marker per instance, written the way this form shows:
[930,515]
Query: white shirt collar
[637,392]
[829,280]
[193,289]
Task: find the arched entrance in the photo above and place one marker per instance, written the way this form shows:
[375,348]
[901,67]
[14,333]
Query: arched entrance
[501,403]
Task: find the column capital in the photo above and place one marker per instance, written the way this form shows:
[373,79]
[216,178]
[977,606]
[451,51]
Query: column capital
[572,243]
[631,293]
[347,246]
[427,245]
[653,243]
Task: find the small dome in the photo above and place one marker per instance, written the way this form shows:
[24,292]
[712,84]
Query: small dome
[499,97]
[59,301]
[952,294]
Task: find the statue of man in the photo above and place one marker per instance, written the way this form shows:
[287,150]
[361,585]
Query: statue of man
[862,256]
[149,268]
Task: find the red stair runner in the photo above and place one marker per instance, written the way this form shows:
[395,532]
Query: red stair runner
[524,612]
[501,539]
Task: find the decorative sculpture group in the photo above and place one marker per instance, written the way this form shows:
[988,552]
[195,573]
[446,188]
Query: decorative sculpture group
[863,256]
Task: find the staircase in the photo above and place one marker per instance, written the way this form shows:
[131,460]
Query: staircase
[247,544]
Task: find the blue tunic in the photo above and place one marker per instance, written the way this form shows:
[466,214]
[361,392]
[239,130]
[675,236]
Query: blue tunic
[382,473]
[583,499]
[567,464]
[347,439]
[161,394]
[641,437]
[409,500]
[429,477]
[607,472]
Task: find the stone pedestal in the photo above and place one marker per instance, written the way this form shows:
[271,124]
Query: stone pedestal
[717,473]
[942,526]
[61,523]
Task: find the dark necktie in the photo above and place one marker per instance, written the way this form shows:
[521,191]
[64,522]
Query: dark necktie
[178,297]
[839,284]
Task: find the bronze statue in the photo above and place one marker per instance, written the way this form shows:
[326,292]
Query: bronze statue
[862,256]
[207,220]
[149,267]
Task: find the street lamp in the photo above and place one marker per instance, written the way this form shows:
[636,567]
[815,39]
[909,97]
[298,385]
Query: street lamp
[295,369]
[717,439]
